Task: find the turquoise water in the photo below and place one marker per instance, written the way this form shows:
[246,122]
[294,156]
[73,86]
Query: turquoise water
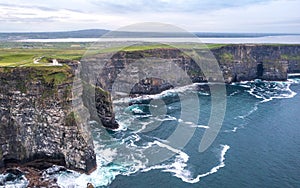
[257,146]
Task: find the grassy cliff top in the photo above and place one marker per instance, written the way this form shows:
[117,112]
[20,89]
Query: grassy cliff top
[27,57]
[28,54]
[25,54]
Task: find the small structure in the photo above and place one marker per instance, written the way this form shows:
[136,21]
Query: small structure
[55,63]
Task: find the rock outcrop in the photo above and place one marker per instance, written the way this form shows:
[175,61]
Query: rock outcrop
[39,124]
[99,103]
[150,86]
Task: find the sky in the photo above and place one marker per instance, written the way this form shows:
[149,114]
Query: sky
[238,16]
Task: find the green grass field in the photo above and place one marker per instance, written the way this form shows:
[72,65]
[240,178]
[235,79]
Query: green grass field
[14,54]
[161,46]
[26,57]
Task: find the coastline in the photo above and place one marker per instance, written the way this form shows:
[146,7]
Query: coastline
[282,61]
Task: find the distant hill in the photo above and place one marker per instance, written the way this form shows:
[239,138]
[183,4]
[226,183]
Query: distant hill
[90,33]
[96,33]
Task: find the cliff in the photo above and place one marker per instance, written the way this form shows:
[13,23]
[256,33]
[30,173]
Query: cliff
[40,124]
[117,71]
[267,62]
[39,121]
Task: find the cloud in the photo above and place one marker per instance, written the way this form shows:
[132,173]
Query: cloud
[193,15]
[24,6]
[15,13]
[260,17]
[36,18]
[121,6]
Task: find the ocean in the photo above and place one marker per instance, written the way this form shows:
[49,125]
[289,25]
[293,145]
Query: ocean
[258,144]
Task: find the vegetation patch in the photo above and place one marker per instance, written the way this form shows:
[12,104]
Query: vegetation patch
[21,86]
[101,91]
[226,57]
[56,78]
[52,75]
[290,57]
[71,119]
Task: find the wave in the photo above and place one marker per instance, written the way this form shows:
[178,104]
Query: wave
[234,93]
[232,130]
[12,181]
[167,93]
[192,124]
[108,169]
[268,90]
[264,91]
[104,174]
[254,109]
[177,167]
[215,169]
[120,157]
[180,163]
[201,126]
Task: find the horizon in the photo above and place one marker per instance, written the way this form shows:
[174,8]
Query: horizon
[248,16]
[107,30]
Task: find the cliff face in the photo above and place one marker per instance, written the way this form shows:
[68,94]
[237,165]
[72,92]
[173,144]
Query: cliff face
[138,72]
[267,62]
[38,125]
[237,63]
